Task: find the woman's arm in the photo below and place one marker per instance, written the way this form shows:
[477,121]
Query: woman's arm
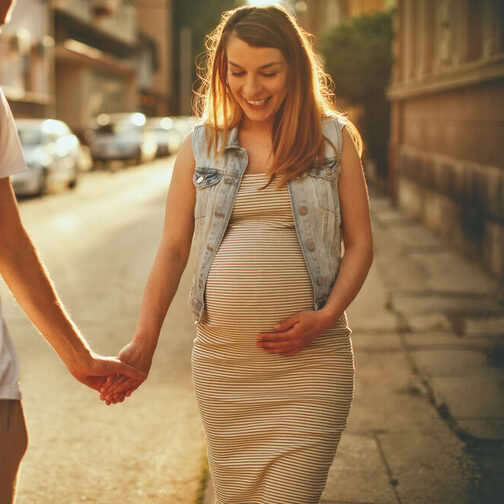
[298,331]
[164,278]
[357,236]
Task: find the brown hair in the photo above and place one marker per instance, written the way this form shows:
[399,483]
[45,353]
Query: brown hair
[297,130]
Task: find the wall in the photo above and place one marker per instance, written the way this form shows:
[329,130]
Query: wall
[447,158]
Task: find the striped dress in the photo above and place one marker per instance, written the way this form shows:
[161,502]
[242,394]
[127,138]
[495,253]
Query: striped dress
[272,423]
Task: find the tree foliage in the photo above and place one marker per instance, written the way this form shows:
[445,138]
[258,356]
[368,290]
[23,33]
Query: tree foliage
[358,56]
[201,16]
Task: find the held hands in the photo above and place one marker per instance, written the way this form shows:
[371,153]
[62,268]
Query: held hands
[94,370]
[295,333]
[116,388]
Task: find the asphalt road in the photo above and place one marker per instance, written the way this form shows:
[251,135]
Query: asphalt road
[99,243]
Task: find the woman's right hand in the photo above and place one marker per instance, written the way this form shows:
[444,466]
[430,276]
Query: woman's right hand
[118,387]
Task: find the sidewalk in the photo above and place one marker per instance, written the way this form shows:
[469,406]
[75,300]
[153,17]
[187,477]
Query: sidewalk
[427,422]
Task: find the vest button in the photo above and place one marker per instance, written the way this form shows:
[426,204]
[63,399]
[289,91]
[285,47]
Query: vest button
[320,280]
[303,210]
[200,179]
[310,246]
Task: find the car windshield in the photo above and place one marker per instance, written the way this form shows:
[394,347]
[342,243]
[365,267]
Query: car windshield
[30,137]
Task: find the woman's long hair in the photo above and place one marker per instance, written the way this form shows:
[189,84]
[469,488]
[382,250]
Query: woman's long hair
[297,130]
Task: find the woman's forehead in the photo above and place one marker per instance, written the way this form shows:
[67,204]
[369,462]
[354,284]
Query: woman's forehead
[240,53]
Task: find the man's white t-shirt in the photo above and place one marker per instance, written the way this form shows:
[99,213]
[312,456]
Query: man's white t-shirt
[11,161]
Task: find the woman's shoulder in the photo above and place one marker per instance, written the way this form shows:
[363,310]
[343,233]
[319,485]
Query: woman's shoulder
[332,129]
[200,137]
[334,122]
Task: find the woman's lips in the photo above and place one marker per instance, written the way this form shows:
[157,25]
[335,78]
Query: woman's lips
[257,104]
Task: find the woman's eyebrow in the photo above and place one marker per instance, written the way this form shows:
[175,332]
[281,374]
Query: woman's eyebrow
[262,66]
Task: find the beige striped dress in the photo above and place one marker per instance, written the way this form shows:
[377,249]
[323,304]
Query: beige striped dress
[272,423]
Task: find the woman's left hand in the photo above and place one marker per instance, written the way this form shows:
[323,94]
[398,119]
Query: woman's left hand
[295,333]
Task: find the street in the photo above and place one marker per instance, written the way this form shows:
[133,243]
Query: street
[426,425]
[99,243]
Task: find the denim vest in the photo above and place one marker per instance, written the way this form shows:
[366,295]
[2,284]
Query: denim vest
[315,207]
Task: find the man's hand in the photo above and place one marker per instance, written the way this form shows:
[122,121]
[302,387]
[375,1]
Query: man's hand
[116,388]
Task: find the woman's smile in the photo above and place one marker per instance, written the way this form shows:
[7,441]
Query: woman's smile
[257,104]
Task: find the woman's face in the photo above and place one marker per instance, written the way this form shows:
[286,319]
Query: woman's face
[257,77]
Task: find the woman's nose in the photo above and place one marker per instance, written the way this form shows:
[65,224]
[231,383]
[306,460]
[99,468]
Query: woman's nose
[251,88]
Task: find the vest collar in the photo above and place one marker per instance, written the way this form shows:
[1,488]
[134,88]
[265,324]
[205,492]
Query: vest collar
[232,142]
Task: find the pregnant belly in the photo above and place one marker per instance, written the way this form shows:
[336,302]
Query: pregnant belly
[258,277]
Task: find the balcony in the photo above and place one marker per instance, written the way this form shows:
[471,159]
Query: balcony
[113,18]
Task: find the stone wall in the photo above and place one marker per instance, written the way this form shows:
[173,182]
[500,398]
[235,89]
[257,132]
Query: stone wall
[459,199]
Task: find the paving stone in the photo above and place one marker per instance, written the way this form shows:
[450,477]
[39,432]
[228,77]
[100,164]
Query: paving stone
[493,462]
[376,343]
[429,322]
[497,480]
[358,452]
[489,429]
[459,362]
[379,203]
[448,340]
[429,468]
[409,304]
[484,326]
[470,397]
[368,311]
[449,271]
[358,487]
[392,216]
[389,397]
[415,235]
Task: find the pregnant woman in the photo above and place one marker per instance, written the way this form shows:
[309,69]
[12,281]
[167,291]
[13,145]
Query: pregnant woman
[265,191]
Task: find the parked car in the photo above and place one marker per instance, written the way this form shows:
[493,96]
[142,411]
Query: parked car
[168,137]
[53,155]
[121,137]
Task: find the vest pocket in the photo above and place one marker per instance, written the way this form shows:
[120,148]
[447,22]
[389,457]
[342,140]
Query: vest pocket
[325,184]
[206,180]
[206,177]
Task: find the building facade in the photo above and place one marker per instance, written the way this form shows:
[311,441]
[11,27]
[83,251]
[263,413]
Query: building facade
[27,59]
[155,76]
[95,59]
[447,131]
[75,59]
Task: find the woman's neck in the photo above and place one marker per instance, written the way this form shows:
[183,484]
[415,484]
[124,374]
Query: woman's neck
[264,128]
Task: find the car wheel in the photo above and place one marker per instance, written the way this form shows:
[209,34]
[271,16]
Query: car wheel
[73,182]
[42,183]
[139,157]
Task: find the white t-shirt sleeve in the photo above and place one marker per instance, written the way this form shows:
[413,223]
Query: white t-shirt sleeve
[11,154]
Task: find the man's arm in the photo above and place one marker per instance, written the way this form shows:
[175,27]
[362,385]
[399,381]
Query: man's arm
[28,280]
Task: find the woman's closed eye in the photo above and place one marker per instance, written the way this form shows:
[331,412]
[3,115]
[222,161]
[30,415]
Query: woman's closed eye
[240,74]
